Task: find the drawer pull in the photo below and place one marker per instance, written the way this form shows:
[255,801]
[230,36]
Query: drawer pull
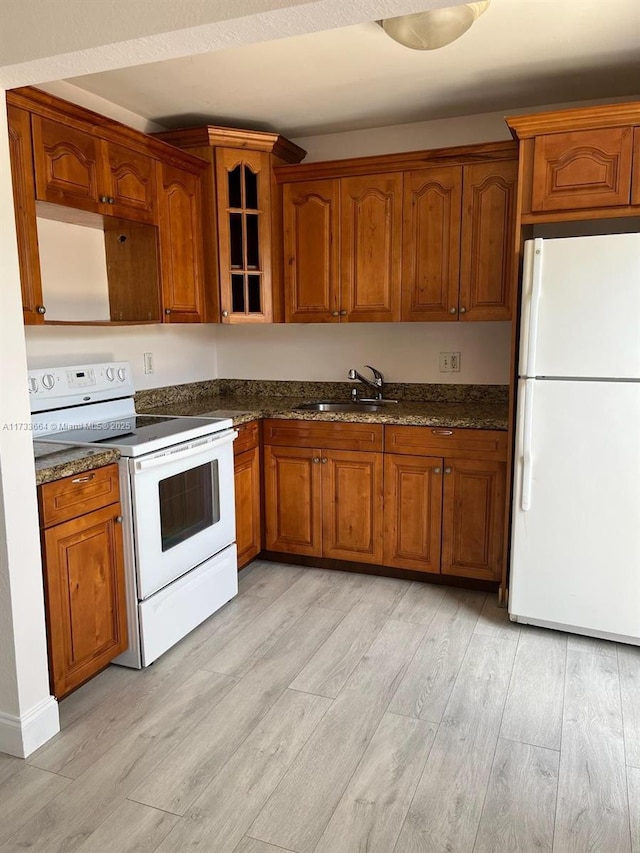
[442,431]
[86,479]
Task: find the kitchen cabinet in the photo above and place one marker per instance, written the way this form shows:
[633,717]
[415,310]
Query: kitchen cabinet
[322,501]
[579,164]
[445,500]
[458,261]
[248,494]
[242,226]
[129,182]
[83,575]
[179,207]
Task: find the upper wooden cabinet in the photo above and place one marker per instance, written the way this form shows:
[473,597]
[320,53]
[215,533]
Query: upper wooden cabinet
[130,183]
[579,164]
[421,236]
[242,226]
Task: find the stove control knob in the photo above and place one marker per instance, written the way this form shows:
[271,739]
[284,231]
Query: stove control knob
[33,385]
[110,374]
[48,381]
[122,374]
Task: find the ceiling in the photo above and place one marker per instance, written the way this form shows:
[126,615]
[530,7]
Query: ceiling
[520,53]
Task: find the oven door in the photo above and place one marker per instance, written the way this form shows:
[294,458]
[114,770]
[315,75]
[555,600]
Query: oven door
[183,508]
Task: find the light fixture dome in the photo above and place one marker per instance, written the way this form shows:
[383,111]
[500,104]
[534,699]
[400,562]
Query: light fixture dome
[435,28]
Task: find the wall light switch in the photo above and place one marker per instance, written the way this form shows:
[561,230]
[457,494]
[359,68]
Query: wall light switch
[449,362]
[148,362]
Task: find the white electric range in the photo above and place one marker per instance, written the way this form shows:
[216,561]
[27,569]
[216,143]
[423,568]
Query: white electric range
[177,495]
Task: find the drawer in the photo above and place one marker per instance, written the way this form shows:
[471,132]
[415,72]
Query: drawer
[76,495]
[248,437]
[331,436]
[484,444]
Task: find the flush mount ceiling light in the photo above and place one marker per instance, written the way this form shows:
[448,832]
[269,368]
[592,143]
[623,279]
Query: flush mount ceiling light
[433,29]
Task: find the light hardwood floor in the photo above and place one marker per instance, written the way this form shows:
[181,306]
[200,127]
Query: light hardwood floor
[327,712]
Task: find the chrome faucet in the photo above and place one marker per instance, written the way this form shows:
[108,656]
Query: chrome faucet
[377,383]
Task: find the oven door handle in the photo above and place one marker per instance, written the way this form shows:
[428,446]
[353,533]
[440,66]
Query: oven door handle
[178,455]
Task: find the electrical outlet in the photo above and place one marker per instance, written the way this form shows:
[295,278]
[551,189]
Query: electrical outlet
[449,362]
[148,362]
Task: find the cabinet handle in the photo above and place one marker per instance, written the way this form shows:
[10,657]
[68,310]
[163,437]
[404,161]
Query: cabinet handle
[41,309]
[316,459]
[463,310]
[118,519]
[452,310]
[437,470]
[447,470]
[225,313]
[343,312]
[86,479]
[442,431]
[324,460]
[334,313]
[167,310]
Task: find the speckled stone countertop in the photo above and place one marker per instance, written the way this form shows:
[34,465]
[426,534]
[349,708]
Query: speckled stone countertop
[485,407]
[55,461]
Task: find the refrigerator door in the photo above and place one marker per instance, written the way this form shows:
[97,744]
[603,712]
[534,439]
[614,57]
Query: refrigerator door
[575,554]
[581,307]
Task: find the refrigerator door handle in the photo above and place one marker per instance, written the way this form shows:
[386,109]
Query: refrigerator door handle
[532,309]
[527,464]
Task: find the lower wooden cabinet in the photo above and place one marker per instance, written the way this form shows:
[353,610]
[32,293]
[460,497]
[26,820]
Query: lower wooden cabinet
[324,503]
[248,493]
[83,578]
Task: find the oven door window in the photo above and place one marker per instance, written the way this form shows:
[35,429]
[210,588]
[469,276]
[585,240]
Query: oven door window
[189,503]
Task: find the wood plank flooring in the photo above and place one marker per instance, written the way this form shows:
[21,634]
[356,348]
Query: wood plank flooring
[328,712]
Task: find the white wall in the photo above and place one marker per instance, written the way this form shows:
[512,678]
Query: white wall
[404,352]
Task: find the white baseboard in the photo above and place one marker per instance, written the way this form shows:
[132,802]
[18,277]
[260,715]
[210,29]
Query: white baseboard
[20,736]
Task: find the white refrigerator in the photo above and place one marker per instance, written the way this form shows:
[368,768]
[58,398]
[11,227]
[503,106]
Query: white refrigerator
[575,550]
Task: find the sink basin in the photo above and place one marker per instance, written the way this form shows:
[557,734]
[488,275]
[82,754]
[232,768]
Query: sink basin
[339,407]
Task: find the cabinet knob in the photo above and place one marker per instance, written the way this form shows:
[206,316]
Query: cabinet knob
[103,199]
[225,313]
[111,200]
[334,313]
[167,310]
[41,309]
[316,459]
[118,519]
[452,310]
[463,310]
[343,312]
[324,460]
[437,470]
[447,470]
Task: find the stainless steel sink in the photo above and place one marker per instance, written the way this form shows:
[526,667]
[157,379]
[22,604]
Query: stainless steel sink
[338,407]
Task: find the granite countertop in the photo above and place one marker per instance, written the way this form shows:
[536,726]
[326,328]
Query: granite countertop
[468,415]
[55,461]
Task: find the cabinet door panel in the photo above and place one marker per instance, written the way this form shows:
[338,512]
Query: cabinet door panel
[293,500]
[352,506]
[412,512]
[179,208]
[371,247]
[311,251]
[85,596]
[431,238]
[24,200]
[473,514]
[582,169]
[248,524]
[131,183]
[66,164]
[488,228]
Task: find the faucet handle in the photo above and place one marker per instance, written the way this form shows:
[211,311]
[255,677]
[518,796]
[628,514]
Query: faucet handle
[352,374]
[378,376]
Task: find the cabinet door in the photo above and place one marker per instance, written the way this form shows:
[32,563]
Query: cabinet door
[371,247]
[293,500]
[311,251]
[431,244]
[24,200]
[488,240]
[248,524]
[473,516]
[352,506]
[66,164]
[244,235]
[129,183]
[180,223]
[412,512]
[85,597]
[582,169]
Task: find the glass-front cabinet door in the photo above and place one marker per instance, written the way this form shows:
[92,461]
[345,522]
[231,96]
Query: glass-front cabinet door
[244,234]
